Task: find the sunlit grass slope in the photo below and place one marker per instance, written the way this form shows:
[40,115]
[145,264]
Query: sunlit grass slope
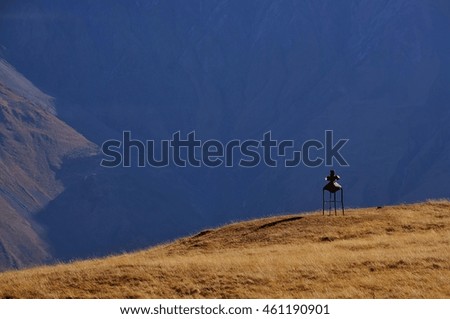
[391,252]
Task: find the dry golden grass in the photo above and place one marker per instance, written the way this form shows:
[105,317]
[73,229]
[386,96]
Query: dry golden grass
[392,252]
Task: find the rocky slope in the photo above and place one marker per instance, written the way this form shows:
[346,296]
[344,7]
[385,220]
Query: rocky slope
[33,145]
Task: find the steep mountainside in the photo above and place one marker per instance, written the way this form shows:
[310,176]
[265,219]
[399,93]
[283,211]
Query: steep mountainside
[33,145]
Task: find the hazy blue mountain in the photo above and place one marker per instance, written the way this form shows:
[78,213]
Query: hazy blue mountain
[376,72]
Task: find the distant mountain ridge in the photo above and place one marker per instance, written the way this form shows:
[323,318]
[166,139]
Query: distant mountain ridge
[33,145]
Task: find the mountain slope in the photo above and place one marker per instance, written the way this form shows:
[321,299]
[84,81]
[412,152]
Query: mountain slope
[33,145]
[376,73]
[391,252]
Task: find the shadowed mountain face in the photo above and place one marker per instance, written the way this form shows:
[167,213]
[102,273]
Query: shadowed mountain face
[34,143]
[376,72]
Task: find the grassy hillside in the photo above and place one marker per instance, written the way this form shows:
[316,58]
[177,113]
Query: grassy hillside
[391,252]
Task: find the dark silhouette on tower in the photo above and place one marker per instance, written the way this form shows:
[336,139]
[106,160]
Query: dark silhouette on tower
[332,187]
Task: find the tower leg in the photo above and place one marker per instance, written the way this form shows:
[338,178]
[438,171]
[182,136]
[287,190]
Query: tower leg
[334,200]
[342,201]
[323,202]
[329,206]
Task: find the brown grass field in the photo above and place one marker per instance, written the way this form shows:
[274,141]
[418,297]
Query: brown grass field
[393,252]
